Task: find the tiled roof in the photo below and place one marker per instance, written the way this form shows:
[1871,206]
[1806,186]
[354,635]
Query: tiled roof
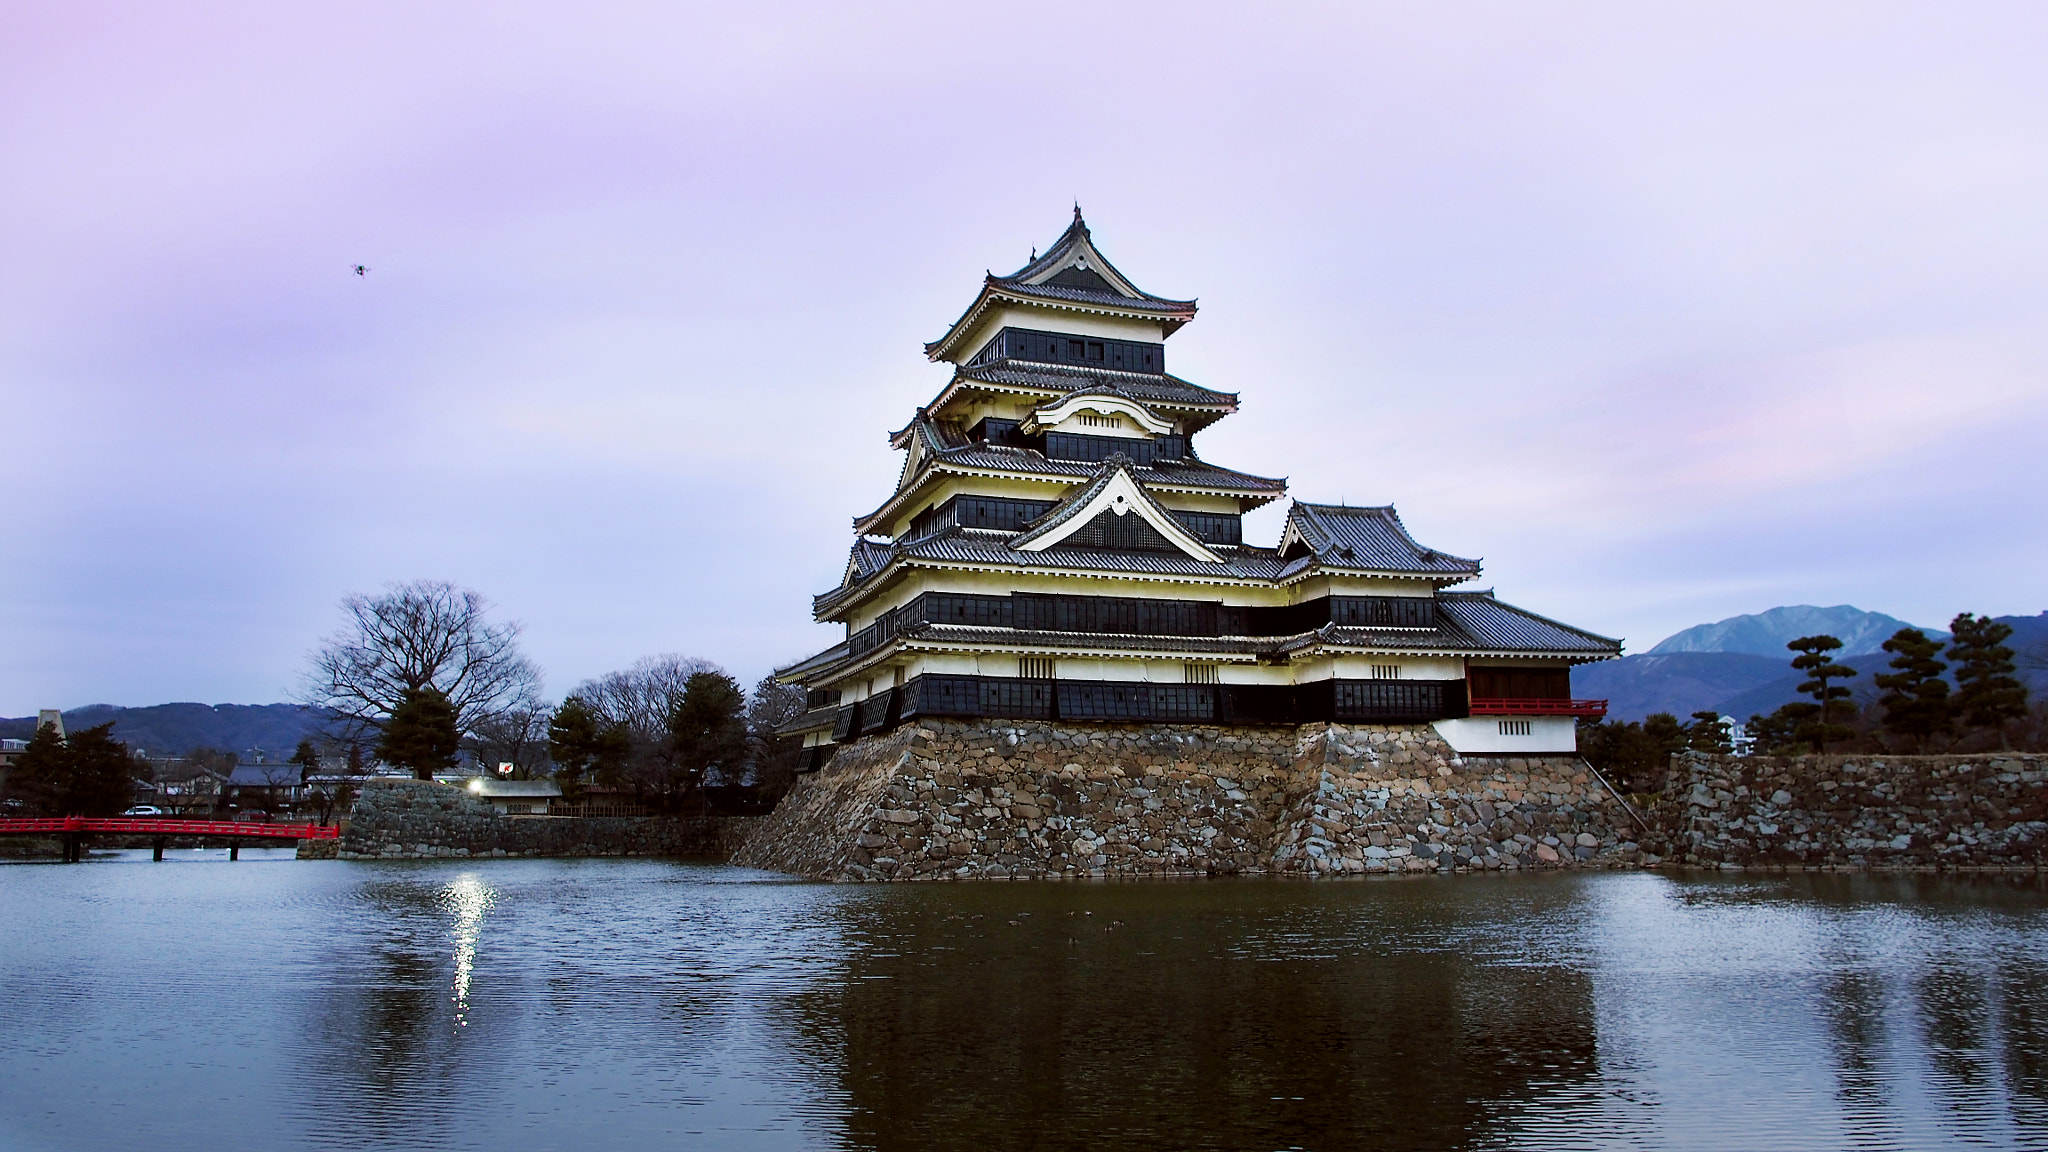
[978,546]
[263,776]
[1369,538]
[984,547]
[1494,625]
[868,557]
[1189,473]
[1142,386]
[1077,502]
[1076,235]
[1098,285]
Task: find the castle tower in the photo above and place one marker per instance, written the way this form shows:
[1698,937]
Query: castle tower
[1057,549]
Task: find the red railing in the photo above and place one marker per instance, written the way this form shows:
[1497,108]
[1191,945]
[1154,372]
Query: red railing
[149,826]
[1527,707]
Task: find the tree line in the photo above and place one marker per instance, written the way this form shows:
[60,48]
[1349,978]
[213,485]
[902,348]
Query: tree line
[1914,710]
[420,676]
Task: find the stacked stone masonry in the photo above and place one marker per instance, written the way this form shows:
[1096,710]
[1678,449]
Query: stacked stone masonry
[940,799]
[409,820]
[1894,812]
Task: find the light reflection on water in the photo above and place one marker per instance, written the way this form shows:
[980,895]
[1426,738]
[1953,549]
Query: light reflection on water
[469,899]
[516,1005]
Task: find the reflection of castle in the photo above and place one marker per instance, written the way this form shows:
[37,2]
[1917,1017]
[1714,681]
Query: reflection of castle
[1056,549]
[1212,1016]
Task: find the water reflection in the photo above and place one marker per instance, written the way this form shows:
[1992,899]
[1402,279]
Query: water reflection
[534,1005]
[1215,1015]
[469,899]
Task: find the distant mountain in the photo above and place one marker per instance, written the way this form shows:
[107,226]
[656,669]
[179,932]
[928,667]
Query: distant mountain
[1767,633]
[1742,684]
[1680,683]
[175,729]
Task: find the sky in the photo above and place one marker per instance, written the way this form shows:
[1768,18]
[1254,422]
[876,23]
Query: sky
[1668,312]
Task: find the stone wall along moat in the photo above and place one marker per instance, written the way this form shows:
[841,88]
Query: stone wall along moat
[940,799]
[1919,812]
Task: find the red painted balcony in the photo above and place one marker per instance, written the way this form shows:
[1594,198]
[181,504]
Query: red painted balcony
[1528,707]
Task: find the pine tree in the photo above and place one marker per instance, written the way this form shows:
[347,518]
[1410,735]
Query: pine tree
[1708,733]
[708,729]
[421,734]
[585,747]
[38,777]
[87,774]
[1820,668]
[1988,695]
[1915,700]
[1778,733]
[307,758]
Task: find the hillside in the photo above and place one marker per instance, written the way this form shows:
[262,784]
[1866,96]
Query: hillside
[175,729]
[1680,683]
[1767,633]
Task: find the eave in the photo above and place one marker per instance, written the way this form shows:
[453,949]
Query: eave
[1169,318]
[908,494]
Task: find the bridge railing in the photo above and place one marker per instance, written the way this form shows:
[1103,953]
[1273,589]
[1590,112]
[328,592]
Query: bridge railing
[152,826]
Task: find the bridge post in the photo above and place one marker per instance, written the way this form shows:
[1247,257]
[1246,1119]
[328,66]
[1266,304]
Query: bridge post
[71,853]
[157,850]
[234,849]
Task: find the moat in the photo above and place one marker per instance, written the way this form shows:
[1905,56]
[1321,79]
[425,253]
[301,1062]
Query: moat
[571,1004]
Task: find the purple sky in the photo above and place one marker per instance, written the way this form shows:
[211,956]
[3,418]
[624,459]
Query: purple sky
[1670,312]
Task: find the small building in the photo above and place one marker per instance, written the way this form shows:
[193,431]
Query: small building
[516,797]
[270,787]
[179,785]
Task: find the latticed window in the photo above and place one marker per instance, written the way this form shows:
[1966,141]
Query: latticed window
[1514,727]
[1198,673]
[1035,667]
[1386,671]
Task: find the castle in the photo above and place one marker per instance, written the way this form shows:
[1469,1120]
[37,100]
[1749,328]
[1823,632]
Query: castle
[1057,550]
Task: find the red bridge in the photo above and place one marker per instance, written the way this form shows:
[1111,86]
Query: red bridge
[73,829]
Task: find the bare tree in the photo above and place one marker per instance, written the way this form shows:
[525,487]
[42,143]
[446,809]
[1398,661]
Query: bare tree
[518,735]
[425,634]
[640,700]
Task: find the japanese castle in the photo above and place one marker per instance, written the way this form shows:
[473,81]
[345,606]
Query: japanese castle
[1057,550]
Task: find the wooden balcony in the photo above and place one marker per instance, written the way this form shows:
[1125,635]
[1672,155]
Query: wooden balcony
[1503,706]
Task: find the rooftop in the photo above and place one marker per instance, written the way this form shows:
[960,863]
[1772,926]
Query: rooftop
[1071,274]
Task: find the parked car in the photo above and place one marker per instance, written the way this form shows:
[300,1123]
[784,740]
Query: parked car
[144,810]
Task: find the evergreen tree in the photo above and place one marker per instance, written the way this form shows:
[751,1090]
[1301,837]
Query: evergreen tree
[584,746]
[1915,700]
[1708,733]
[1820,668]
[1778,733]
[88,774]
[1988,695]
[307,758]
[37,779]
[1665,735]
[421,734]
[102,774]
[708,729]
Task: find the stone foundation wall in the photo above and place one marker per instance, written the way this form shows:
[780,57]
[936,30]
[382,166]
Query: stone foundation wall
[410,820]
[1917,812]
[951,799]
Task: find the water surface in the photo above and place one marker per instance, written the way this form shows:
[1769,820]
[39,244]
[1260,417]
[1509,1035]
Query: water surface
[526,1005]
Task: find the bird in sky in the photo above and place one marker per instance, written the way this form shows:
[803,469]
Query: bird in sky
[362,270]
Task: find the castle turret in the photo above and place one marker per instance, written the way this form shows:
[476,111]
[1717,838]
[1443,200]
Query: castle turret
[1057,549]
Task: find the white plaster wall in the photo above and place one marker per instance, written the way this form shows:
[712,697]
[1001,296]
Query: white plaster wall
[1316,587]
[1125,427]
[1548,735]
[1360,667]
[1057,320]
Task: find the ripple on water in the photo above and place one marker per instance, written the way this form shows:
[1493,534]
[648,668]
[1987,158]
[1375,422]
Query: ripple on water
[517,1005]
